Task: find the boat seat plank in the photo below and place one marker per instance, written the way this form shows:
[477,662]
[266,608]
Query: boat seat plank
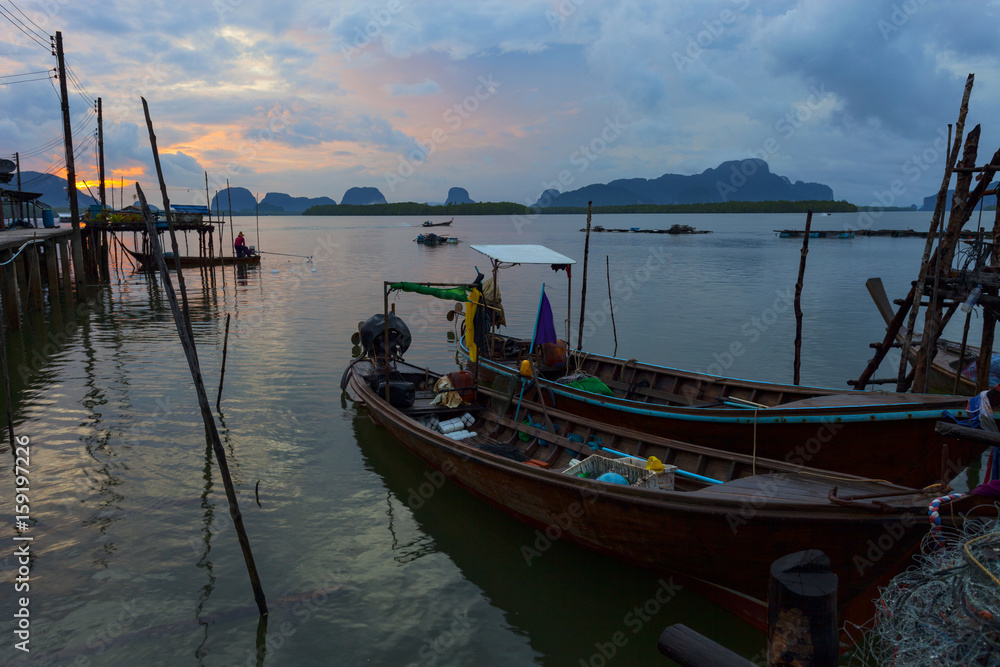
[801,488]
[658,394]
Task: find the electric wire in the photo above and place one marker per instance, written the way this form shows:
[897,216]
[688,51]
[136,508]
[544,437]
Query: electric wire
[24,29]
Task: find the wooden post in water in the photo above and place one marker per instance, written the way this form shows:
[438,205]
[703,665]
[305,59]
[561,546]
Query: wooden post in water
[35,301]
[52,270]
[8,290]
[798,299]
[690,649]
[583,288]
[67,278]
[6,387]
[989,321]
[802,612]
[222,375]
[614,329]
[183,323]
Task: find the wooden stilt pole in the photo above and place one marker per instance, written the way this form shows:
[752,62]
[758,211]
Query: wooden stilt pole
[183,323]
[798,300]
[222,375]
[614,329]
[583,288]
[35,301]
[6,387]
[935,223]
[8,290]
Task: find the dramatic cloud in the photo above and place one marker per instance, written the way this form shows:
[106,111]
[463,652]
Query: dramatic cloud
[501,98]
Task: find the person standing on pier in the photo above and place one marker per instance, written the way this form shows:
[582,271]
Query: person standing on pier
[240,245]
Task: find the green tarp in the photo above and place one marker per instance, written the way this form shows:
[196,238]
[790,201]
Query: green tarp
[591,384]
[453,294]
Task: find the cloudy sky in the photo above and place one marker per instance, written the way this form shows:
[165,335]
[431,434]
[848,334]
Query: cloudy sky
[502,98]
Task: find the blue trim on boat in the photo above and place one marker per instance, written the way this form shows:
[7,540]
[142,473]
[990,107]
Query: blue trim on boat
[747,416]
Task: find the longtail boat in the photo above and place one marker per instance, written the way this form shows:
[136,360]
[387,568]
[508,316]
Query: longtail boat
[146,259]
[717,519]
[871,433]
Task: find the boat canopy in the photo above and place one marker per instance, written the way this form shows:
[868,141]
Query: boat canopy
[522,254]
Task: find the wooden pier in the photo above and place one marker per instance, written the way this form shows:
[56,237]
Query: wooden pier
[43,263]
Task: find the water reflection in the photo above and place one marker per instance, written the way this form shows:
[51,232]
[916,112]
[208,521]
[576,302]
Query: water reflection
[563,601]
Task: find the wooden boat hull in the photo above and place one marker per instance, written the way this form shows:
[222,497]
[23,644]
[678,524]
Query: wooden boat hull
[147,260]
[873,434]
[721,540]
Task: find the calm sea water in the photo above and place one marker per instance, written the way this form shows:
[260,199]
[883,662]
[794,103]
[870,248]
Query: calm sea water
[366,559]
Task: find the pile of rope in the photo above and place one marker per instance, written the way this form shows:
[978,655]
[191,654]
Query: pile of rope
[946,609]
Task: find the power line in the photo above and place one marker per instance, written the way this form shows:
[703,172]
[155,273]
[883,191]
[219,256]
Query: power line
[11,83]
[11,2]
[41,71]
[20,26]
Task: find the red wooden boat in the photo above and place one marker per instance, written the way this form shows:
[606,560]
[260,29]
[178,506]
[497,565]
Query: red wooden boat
[726,519]
[874,434]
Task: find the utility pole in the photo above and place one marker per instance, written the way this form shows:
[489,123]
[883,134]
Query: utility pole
[74,209]
[20,204]
[100,153]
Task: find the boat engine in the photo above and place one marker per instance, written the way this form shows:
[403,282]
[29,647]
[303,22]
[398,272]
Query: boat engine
[373,337]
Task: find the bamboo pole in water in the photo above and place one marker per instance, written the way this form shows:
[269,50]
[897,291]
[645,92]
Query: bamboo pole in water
[614,329]
[222,375]
[583,288]
[798,299]
[183,323]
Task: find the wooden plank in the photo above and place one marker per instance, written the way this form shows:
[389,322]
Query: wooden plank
[656,393]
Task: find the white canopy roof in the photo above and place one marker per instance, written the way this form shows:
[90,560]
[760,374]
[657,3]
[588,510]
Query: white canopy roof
[523,254]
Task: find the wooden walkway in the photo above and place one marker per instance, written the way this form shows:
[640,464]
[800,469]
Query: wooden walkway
[12,239]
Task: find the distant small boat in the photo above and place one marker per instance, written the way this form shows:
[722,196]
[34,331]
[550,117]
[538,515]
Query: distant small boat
[147,260]
[428,223]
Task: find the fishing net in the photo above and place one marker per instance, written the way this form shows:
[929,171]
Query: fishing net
[945,610]
[507,451]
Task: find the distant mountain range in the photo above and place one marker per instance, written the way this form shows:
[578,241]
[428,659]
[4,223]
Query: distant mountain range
[53,190]
[737,180]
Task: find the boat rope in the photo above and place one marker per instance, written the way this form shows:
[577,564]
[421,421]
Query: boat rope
[26,244]
[754,462]
[935,517]
[974,560]
[285,254]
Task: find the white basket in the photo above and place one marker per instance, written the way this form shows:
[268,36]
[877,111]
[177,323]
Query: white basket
[632,469]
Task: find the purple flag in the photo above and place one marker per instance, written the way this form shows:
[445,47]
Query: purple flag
[545,327]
